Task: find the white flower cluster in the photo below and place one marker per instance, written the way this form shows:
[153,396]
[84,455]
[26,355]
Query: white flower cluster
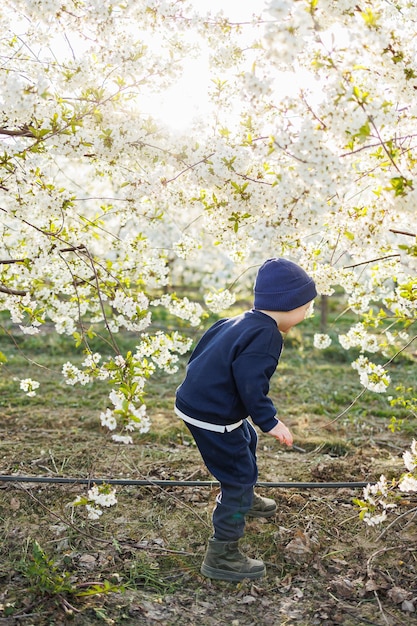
[372,376]
[163,349]
[133,418]
[129,375]
[91,360]
[186,247]
[138,420]
[108,419]
[220,300]
[125,439]
[31,329]
[378,498]
[133,312]
[321,341]
[325,276]
[408,481]
[23,309]
[181,307]
[358,337]
[128,410]
[29,386]
[74,375]
[97,496]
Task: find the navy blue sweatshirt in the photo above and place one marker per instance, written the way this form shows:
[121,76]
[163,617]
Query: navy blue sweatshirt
[228,374]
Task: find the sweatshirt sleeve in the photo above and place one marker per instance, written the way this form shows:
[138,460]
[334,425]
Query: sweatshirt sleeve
[252,373]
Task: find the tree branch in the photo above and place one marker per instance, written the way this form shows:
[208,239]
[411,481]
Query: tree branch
[190,167]
[381,258]
[253,180]
[289,153]
[23,132]
[12,292]
[11,261]
[402,232]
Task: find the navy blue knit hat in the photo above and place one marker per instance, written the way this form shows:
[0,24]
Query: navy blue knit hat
[282,285]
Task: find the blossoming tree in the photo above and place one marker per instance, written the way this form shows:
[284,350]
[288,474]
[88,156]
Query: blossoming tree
[307,149]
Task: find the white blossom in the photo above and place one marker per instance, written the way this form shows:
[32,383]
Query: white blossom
[186,247]
[375,378]
[74,375]
[375,519]
[108,420]
[408,483]
[181,307]
[102,495]
[410,457]
[29,386]
[219,301]
[93,512]
[321,341]
[91,360]
[126,439]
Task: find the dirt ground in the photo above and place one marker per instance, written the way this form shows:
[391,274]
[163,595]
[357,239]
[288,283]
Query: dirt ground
[324,566]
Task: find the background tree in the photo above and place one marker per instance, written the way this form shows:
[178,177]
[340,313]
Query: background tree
[307,148]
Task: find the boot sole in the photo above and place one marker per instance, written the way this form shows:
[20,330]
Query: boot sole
[220,574]
[261,513]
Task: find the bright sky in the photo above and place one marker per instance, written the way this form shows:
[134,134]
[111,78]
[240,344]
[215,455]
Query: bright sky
[187,98]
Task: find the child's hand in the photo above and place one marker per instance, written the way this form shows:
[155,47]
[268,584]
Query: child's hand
[282,433]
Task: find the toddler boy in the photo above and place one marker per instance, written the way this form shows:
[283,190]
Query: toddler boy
[227,380]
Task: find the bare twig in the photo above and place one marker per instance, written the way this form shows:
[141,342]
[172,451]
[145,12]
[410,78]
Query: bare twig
[402,232]
[346,410]
[108,542]
[97,282]
[189,167]
[397,519]
[11,261]
[289,153]
[62,519]
[254,180]
[399,351]
[383,551]
[381,258]
[384,147]
[67,606]
[320,121]
[23,132]
[12,292]
[381,610]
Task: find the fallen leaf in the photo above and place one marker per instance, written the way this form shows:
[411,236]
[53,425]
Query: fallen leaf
[343,587]
[371,585]
[398,594]
[88,561]
[15,504]
[298,550]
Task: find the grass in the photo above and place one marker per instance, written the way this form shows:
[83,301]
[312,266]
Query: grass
[140,562]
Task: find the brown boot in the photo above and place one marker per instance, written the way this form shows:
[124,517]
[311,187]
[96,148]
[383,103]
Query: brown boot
[223,561]
[262,507]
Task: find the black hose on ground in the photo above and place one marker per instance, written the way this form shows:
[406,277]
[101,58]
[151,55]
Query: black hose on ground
[172,483]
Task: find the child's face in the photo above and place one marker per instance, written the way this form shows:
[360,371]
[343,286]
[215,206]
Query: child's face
[288,319]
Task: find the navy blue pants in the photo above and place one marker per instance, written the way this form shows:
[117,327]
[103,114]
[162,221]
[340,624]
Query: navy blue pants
[231,459]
